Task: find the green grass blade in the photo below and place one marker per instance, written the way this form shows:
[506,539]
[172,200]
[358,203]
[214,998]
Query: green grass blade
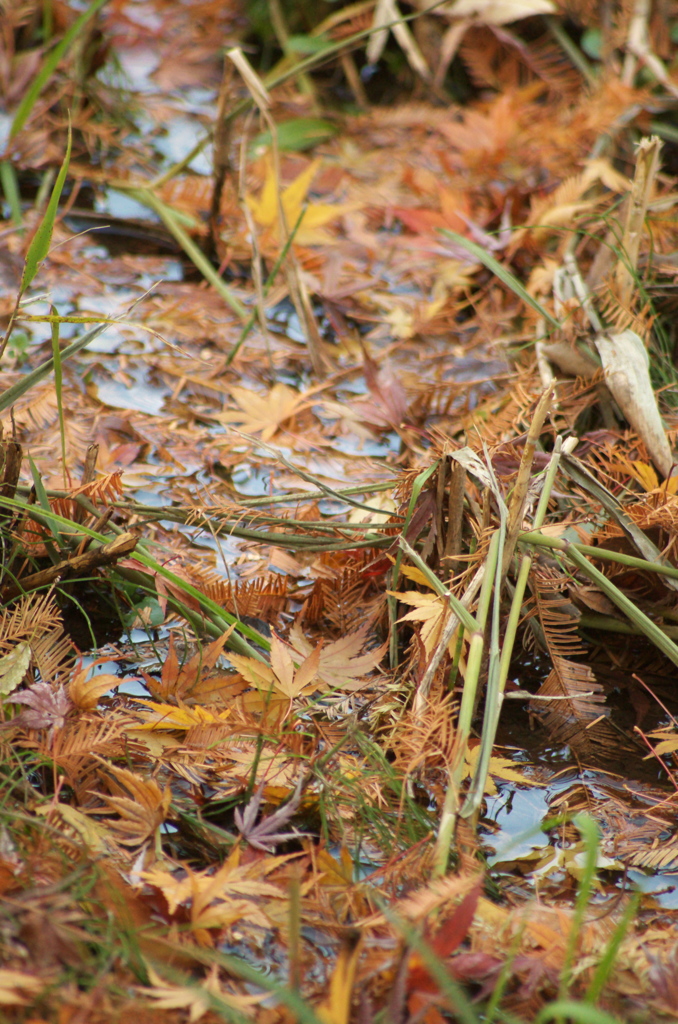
[13,394]
[194,253]
[10,189]
[607,961]
[49,65]
[417,486]
[42,238]
[267,286]
[638,617]
[502,273]
[590,834]
[58,381]
[578,1013]
[209,609]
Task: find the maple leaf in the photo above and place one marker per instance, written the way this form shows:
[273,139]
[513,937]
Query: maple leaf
[290,680]
[431,610]
[197,998]
[265,835]
[47,708]
[179,681]
[340,665]
[218,899]
[298,668]
[140,803]
[85,689]
[264,414]
[283,675]
[181,717]
[310,232]
[500,767]
[453,214]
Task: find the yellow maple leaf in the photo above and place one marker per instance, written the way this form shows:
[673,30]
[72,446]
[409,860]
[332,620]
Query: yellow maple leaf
[265,208]
[299,668]
[284,676]
[196,997]
[431,611]
[342,664]
[235,892]
[85,690]
[181,717]
[500,767]
[264,414]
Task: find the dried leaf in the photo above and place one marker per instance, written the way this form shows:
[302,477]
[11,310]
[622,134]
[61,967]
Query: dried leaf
[140,803]
[13,667]
[181,717]
[197,998]
[47,707]
[627,375]
[310,232]
[85,692]
[500,768]
[265,835]
[18,988]
[264,414]
[340,665]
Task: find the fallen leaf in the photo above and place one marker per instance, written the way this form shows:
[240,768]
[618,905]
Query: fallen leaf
[266,212]
[627,374]
[179,717]
[47,707]
[264,414]
[13,667]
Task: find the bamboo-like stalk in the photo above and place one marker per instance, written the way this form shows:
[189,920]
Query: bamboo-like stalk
[499,662]
[638,617]
[603,554]
[450,810]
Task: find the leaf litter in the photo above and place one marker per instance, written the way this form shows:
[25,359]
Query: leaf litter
[301,780]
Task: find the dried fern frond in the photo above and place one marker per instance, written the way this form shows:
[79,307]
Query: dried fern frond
[260,598]
[660,856]
[547,61]
[577,715]
[100,492]
[620,318]
[37,620]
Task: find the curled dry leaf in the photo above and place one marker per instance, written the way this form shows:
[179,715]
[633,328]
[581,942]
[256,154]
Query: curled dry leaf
[85,689]
[627,375]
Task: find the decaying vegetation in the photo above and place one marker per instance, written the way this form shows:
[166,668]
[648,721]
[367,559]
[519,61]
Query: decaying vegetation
[337,498]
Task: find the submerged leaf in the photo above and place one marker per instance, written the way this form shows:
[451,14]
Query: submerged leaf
[266,212]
